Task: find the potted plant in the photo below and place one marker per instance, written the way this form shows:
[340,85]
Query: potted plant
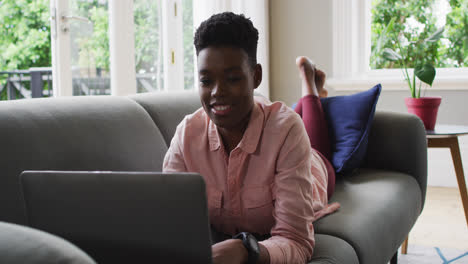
[424,107]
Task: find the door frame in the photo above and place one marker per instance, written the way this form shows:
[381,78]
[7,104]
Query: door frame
[61,49]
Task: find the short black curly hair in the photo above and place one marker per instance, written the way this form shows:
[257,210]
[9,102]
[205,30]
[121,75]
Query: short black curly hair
[228,29]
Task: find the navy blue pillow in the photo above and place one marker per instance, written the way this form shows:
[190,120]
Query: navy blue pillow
[349,120]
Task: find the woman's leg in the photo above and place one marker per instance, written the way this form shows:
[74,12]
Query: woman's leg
[310,109]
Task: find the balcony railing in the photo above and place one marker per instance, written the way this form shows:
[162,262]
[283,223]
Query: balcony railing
[32,83]
[37,82]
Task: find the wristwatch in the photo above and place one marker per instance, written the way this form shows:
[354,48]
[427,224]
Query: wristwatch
[251,244]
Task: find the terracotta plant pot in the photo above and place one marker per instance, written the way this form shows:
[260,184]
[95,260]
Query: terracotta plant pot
[425,108]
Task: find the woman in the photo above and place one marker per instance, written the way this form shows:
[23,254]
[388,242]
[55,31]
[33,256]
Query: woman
[264,182]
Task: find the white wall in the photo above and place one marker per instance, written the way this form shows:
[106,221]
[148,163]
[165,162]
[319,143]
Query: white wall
[297,27]
[304,27]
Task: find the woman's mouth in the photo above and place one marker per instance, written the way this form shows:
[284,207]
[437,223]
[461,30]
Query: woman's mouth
[221,109]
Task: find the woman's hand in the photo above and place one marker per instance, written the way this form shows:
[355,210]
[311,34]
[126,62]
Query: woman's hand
[230,251]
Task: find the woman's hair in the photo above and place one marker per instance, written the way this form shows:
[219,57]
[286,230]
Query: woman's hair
[228,29]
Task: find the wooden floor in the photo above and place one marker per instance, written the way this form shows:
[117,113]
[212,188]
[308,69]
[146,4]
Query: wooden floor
[442,222]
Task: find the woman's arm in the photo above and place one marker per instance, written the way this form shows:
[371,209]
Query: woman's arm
[264,255]
[174,159]
[298,174]
[233,251]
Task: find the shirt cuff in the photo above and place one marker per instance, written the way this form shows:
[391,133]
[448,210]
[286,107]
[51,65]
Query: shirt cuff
[277,255]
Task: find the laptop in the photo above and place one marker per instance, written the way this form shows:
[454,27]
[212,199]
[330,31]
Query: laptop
[122,217]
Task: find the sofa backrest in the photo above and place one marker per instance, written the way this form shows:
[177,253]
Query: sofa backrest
[73,133]
[168,109]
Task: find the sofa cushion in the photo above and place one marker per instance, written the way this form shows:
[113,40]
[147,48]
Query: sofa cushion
[378,209]
[168,109]
[332,250]
[73,133]
[20,244]
[349,120]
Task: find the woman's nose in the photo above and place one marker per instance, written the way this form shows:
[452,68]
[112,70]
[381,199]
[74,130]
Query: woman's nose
[218,90]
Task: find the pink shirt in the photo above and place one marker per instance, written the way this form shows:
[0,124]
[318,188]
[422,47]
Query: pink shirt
[273,182]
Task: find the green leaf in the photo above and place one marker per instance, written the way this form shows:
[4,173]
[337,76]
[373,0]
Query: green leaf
[436,35]
[383,38]
[425,73]
[391,55]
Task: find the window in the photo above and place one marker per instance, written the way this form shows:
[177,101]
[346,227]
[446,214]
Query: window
[24,44]
[135,46]
[355,66]
[163,45]
[148,45]
[404,25]
[89,47]
[189,54]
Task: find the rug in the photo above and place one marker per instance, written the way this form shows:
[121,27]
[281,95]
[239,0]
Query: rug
[433,255]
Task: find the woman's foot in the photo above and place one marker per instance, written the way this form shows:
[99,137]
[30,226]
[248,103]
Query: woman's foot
[313,79]
[320,77]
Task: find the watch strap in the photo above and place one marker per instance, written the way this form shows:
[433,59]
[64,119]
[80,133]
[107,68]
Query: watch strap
[253,253]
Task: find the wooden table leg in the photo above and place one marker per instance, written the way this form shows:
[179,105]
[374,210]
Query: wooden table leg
[457,163]
[404,246]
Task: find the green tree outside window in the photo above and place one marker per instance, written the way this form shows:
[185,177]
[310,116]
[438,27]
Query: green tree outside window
[25,41]
[416,20]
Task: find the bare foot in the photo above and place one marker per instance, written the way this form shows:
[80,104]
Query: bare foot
[320,77]
[313,79]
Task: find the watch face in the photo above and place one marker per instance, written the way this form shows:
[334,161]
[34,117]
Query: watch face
[253,243]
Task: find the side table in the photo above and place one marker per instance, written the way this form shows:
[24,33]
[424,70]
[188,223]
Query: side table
[446,136]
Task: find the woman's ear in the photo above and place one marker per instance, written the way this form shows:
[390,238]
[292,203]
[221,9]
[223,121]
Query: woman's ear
[257,75]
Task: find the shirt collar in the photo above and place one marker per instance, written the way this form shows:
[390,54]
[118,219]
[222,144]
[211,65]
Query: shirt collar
[251,136]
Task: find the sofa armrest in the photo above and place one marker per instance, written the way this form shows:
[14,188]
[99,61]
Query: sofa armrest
[397,142]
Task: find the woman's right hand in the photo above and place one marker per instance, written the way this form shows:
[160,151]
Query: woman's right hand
[230,251]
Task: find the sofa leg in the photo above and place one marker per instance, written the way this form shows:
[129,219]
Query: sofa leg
[394,259]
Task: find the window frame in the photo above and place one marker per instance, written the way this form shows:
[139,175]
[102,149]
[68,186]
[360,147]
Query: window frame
[351,53]
[173,50]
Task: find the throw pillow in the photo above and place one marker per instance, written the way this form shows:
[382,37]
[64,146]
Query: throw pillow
[349,120]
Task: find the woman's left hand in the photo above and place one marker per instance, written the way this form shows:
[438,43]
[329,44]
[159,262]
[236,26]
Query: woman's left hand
[230,251]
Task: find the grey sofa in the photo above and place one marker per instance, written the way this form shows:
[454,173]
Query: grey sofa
[380,202]
[23,245]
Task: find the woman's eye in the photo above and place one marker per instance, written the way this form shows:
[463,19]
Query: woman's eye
[234,79]
[205,82]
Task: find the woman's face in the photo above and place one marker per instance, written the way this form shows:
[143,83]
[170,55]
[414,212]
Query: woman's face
[226,85]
